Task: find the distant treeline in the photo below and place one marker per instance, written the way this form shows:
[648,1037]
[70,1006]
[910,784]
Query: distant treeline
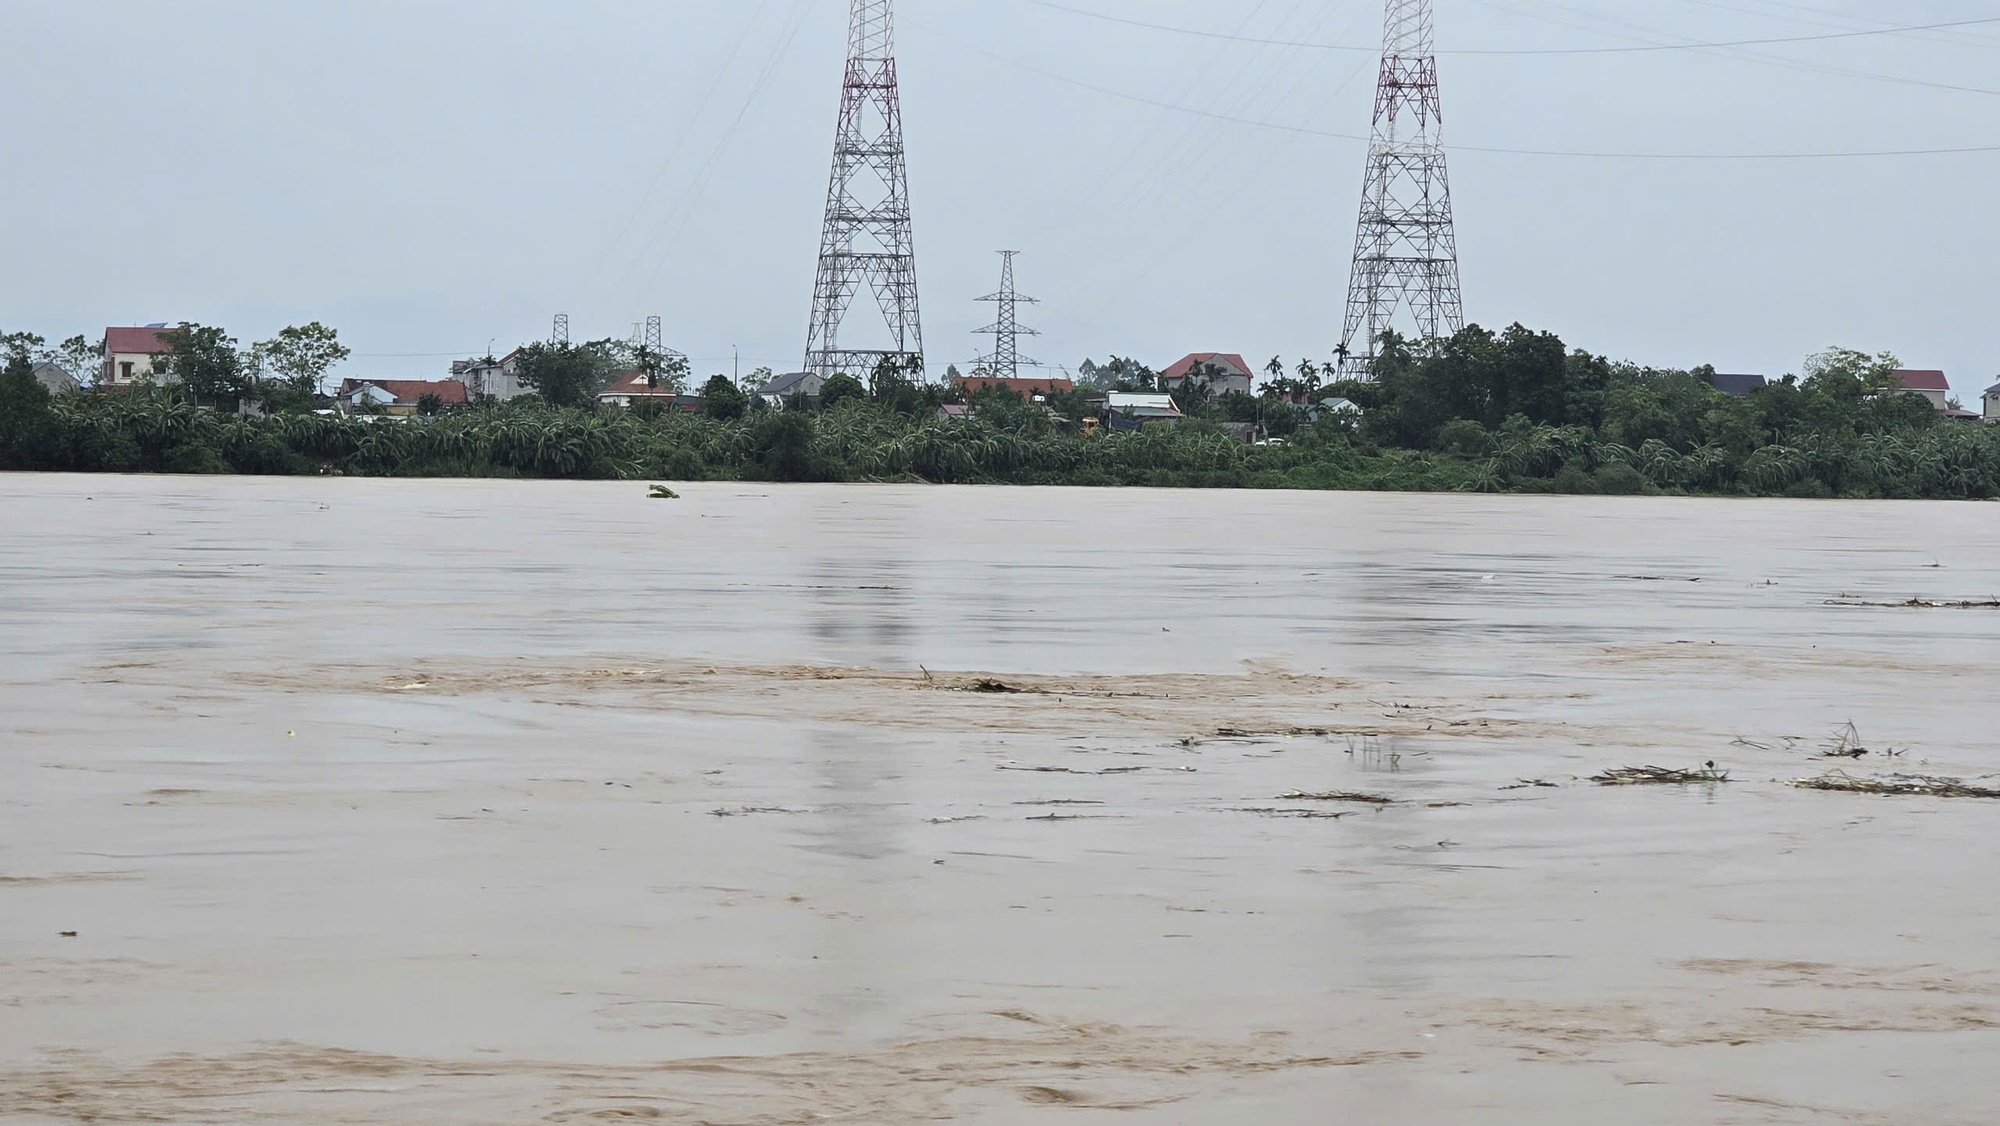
[1508,412]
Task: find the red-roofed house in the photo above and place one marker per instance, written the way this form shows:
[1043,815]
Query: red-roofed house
[1931,385]
[1026,387]
[131,353]
[632,388]
[1223,371]
[397,396]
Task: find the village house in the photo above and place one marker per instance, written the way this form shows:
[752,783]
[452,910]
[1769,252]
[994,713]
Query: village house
[1034,389]
[131,355]
[1132,410]
[1993,403]
[1931,386]
[781,390]
[52,376]
[398,397]
[498,380]
[632,387]
[1224,372]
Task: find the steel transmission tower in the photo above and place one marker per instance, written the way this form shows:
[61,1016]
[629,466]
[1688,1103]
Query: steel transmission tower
[1405,252]
[1006,360]
[866,243]
[560,333]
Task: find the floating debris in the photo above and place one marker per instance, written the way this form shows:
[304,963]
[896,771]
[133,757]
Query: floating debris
[1531,784]
[755,810]
[1095,773]
[1301,814]
[993,687]
[1846,744]
[1897,785]
[1060,801]
[661,492]
[1338,795]
[1916,604]
[956,820]
[1660,776]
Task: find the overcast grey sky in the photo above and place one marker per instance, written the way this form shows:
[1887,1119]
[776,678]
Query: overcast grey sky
[429,175]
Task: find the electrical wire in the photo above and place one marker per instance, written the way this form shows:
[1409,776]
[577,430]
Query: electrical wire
[794,23]
[1638,49]
[1739,54]
[674,151]
[1142,191]
[1481,149]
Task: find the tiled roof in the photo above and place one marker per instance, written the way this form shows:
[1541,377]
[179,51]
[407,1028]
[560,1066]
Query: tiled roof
[634,383]
[1020,386]
[135,341]
[1230,361]
[1917,380]
[450,392]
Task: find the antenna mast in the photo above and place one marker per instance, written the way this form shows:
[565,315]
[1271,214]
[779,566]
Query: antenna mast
[867,241]
[1405,249]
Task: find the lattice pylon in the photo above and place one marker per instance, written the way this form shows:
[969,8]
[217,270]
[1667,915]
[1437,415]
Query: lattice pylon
[866,243]
[1405,247]
[1006,359]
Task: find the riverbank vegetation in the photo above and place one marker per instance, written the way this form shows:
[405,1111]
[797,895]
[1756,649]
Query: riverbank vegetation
[1515,411]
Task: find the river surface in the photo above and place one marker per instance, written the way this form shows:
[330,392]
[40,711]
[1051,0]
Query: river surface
[335,801]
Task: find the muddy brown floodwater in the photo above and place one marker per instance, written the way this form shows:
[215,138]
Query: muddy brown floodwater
[468,802]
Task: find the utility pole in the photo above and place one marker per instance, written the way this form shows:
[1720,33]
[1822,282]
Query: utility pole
[560,334]
[1405,249]
[866,242]
[1006,332]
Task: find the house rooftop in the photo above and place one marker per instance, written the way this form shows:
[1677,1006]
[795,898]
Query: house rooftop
[145,341]
[634,383]
[1142,402]
[450,392]
[1180,368]
[787,384]
[1020,385]
[1915,379]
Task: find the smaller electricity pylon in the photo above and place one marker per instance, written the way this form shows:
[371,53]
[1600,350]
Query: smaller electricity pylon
[1006,360]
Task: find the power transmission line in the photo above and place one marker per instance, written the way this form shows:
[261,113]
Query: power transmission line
[1638,49]
[1483,149]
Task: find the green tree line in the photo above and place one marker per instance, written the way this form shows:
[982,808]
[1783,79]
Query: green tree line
[1512,411]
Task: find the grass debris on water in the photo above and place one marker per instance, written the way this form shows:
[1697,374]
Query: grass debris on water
[1336,796]
[1895,785]
[1661,776]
